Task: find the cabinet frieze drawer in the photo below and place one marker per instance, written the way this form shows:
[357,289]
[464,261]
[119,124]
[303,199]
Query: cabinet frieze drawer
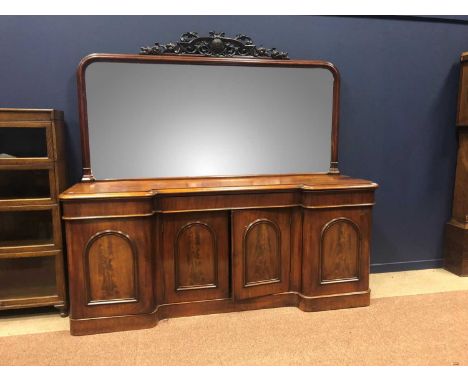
[337,198]
[226,201]
[90,209]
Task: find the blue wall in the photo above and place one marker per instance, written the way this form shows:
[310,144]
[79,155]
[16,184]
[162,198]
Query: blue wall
[398,101]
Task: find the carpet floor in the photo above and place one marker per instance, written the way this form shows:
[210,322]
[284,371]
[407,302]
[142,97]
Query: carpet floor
[429,329]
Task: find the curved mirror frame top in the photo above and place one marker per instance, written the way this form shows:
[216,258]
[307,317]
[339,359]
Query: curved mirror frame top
[194,116]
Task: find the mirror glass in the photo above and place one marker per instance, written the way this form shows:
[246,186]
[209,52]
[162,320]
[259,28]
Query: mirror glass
[170,120]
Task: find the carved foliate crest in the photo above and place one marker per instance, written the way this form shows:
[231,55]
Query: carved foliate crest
[215,45]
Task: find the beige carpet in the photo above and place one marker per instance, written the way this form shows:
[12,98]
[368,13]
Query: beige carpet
[429,329]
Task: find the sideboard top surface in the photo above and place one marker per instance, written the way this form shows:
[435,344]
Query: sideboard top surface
[151,187]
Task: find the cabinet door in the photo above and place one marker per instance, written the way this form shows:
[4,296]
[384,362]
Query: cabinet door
[261,252]
[336,251]
[196,256]
[110,267]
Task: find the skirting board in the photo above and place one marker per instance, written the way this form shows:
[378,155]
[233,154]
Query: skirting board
[406,266]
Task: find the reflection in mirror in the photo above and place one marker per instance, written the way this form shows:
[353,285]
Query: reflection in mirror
[170,120]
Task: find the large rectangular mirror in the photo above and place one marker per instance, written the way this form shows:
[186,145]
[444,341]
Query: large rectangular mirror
[173,117]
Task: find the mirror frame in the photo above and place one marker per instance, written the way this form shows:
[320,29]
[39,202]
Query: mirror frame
[88,176]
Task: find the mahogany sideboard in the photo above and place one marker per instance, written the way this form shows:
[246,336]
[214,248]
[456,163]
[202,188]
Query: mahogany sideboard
[150,247]
[143,250]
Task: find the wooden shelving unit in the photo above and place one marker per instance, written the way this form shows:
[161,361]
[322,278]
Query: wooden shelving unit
[32,175]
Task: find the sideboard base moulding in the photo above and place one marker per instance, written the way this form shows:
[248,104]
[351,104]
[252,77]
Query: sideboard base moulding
[149,320]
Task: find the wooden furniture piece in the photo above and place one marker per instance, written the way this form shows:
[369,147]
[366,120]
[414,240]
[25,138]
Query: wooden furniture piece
[140,250]
[456,231]
[32,174]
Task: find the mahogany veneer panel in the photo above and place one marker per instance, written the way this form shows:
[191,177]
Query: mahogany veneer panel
[106,254]
[336,248]
[110,267]
[196,256]
[261,252]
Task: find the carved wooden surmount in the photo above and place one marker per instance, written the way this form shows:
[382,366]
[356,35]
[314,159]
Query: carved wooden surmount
[215,45]
[146,249]
[456,231]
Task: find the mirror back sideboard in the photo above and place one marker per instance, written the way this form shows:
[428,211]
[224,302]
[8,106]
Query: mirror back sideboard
[143,249]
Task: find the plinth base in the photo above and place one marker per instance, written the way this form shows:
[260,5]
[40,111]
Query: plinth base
[456,248]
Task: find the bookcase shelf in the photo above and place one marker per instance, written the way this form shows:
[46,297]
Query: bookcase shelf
[24,141]
[25,184]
